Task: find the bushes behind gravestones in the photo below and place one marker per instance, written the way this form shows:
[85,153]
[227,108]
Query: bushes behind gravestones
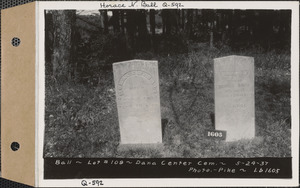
[110,48]
[98,54]
[171,44]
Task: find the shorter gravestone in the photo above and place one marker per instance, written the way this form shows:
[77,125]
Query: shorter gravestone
[138,101]
[234,97]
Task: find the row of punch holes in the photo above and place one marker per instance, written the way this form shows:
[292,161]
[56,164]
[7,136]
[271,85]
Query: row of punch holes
[15,42]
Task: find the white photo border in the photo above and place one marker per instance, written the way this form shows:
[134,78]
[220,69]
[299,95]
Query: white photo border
[169,182]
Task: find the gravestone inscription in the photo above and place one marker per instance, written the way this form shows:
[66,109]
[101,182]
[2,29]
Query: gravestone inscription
[234,96]
[138,101]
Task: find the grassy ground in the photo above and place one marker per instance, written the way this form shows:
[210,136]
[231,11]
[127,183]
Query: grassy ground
[81,120]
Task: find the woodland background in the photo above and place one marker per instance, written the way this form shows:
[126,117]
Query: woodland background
[81,113]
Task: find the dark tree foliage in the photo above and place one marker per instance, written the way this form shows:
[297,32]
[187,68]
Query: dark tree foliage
[170,21]
[77,45]
[115,21]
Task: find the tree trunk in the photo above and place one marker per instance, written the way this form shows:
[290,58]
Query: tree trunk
[231,27]
[115,20]
[143,42]
[131,26]
[143,24]
[178,20]
[168,22]
[189,25]
[152,28]
[182,19]
[211,39]
[105,21]
[63,22]
[75,38]
[48,43]
[152,21]
[122,21]
[164,20]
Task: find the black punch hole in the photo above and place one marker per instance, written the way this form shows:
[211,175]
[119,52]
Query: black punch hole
[15,146]
[15,41]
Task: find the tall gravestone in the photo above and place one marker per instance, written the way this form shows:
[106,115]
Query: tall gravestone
[138,101]
[234,97]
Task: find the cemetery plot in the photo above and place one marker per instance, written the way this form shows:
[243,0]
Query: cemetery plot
[97,100]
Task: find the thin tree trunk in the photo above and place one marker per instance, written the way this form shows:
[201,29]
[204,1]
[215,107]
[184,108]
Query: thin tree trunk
[142,26]
[189,27]
[182,19]
[152,21]
[152,28]
[115,20]
[211,39]
[48,42]
[105,21]
[74,39]
[164,20]
[131,26]
[122,21]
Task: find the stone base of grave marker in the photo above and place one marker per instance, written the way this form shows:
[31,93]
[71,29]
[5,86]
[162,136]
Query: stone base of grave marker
[234,97]
[138,101]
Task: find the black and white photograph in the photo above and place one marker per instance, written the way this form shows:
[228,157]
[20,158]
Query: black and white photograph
[156,87]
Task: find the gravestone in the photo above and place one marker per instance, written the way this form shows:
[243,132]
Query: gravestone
[234,97]
[138,101]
